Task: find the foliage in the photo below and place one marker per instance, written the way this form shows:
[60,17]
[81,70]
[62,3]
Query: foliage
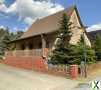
[60,53]
[64,52]
[73,54]
[5,37]
[97,47]
[83,52]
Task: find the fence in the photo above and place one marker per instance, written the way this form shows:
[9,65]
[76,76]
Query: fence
[35,52]
[60,70]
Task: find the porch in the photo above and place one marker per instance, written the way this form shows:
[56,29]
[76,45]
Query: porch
[29,53]
[34,52]
[27,59]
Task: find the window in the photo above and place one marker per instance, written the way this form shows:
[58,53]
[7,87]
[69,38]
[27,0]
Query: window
[47,44]
[40,45]
[31,46]
[22,46]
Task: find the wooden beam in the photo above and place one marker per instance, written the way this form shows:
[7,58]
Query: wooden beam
[43,45]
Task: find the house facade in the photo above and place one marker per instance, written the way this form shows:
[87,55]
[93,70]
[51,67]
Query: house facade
[40,38]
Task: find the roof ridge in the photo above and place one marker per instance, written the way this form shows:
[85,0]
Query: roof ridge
[66,9]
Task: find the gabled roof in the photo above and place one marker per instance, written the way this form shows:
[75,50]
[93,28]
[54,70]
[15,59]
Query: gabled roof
[47,24]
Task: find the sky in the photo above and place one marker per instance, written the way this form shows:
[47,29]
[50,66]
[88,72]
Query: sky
[20,14]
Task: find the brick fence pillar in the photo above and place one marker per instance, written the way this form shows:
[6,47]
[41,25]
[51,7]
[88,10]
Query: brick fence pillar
[73,71]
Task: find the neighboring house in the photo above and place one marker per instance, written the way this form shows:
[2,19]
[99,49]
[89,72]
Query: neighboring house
[92,34]
[40,37]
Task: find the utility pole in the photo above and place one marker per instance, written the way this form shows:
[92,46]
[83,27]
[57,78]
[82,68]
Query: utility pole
[84,51]
[85,55]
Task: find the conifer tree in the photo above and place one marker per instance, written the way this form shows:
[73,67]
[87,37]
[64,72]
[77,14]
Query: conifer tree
[64,52]
[60,55]
[97,47]
[5,37]
[84,51]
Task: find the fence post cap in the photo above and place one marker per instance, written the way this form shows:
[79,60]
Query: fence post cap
[74,65]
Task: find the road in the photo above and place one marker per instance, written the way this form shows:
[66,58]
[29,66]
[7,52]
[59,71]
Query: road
[94,84]
[19,79]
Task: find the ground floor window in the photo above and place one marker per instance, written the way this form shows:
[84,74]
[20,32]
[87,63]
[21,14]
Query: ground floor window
[22,46]
[30,46]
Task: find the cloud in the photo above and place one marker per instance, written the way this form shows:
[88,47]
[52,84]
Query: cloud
[3,7]
[28,20]
[12,8]
[30,10]
[2,27]
[94,27]
[2,1]
[15,29]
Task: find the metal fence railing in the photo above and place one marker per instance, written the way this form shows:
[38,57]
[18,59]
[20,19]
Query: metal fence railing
[62,70]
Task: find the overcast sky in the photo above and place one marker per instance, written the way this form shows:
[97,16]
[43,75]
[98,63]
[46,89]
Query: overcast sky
[20,14]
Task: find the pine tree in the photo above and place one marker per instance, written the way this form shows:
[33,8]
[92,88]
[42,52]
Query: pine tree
[5,37]
[60,54]
[64,52]
[97,47]
[82,51]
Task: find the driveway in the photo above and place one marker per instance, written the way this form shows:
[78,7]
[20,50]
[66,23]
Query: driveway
[19,79]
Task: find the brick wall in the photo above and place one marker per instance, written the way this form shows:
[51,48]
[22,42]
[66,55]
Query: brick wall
[26,62]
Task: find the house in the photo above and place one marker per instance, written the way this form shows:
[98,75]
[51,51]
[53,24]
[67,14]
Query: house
[40,38]
[92,34]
